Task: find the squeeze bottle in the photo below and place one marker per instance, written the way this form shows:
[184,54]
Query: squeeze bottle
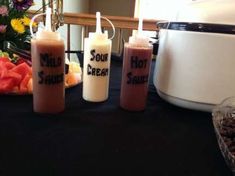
[97,53]
[48,66]
[135,73]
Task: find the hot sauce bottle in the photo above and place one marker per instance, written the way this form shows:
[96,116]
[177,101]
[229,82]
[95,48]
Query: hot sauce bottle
[48,66]
[97,53]
[136,69]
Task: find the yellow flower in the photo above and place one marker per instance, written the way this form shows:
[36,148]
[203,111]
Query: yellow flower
[18,26]
[26,21]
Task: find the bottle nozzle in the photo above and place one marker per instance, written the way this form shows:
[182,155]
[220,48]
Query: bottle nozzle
[44,32]
[48,19]
[98,23]
[140,26]
[139,39]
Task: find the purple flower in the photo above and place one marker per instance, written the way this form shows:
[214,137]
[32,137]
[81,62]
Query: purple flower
[22,4]
[3,29]
[3,10]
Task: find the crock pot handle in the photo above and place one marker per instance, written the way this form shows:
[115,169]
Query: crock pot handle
[163,24]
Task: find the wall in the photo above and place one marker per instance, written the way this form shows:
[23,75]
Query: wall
[111,7]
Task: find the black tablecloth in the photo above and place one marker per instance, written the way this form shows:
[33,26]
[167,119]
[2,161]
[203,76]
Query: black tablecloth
[101,138]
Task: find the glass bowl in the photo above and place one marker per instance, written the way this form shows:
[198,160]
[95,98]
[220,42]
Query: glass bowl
[224,125]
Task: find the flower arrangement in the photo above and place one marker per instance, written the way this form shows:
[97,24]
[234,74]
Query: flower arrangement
[14,22]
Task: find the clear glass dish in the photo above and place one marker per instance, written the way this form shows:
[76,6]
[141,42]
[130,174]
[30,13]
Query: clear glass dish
[224,124]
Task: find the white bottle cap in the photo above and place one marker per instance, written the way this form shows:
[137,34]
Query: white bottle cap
[98,34]
[139,40]
[45,32]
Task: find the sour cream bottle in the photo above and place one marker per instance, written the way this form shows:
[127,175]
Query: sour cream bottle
[96,67]
[48,68]
[135,73]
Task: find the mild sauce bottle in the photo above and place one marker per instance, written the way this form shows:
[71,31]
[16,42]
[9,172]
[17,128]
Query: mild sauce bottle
[135,74]
[48,65]
[97,53]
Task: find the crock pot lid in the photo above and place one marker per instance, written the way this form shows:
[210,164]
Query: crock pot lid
[199,27]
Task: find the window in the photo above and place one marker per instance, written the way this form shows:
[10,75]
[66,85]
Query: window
[158,9]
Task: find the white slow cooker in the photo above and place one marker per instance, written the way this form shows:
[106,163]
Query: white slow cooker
[195,66]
